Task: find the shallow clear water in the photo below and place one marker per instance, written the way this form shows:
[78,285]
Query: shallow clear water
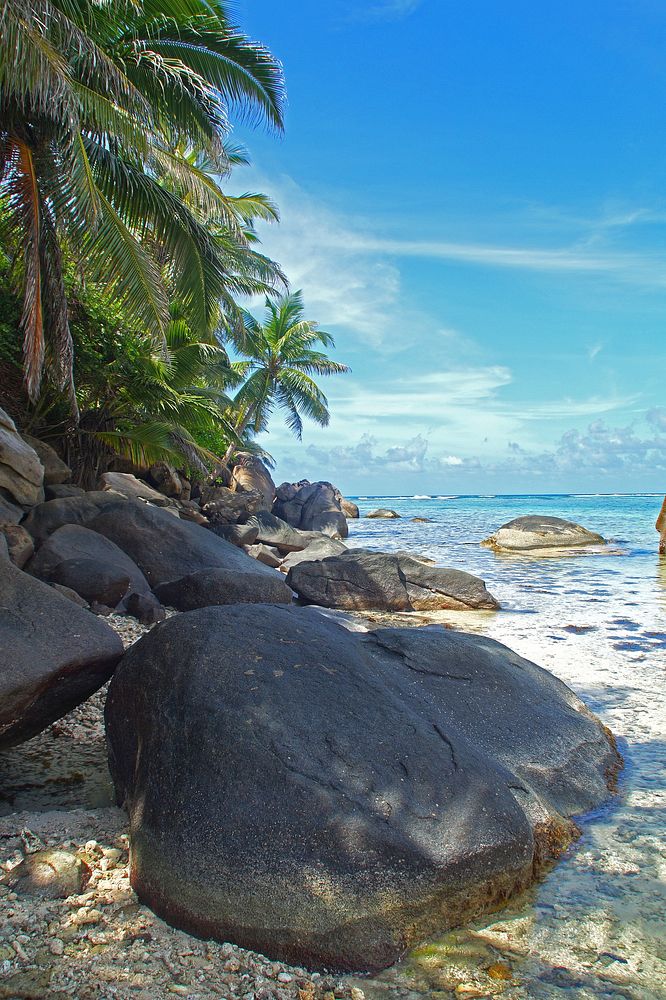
[596,926]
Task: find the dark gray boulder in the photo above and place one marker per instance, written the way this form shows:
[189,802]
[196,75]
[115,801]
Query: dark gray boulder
[73,543]
[220,586]
[538,531]
[166,548]
[237,534]
[57,491]
[45,518]
[330,798]
[145,608]
[70,594]
[272,530]
[54,655]
[320,548]
[311,507]
[95,582]
[357,580]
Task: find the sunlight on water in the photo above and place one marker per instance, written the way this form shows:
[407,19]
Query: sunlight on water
[596,926]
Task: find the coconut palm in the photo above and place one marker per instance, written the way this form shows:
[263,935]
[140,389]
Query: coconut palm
[98,100]
[280,358]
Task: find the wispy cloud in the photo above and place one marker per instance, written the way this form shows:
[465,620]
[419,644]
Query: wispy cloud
[386,10]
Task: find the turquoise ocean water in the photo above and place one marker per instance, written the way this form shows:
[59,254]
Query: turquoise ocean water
[596,926]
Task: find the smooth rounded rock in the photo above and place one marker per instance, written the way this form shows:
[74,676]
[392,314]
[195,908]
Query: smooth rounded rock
[538,531]
[219,586]
[383,513]
[331,798]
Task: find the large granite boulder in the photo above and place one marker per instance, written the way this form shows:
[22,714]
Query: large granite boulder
[55,470]
[358,580]
[249,474]
[538,531]
[311,507]
[73,543]
[129,486]
[661,527]
[383,513]
[45,518]
[320,548]
[225,506]
[272,530]
[166,548]
[54,655]
[21,472]
[331,798]
[211,587]
[349,508]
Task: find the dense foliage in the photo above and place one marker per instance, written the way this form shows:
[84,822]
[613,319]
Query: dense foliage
[124,257]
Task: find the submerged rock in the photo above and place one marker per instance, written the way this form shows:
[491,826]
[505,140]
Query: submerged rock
[54,655]
[537,531]
[331,798]
[661,527]
[357,580]
[384,512]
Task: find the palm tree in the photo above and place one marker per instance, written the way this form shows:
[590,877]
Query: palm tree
[98,100]
[280,359]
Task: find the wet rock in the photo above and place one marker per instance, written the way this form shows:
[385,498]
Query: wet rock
[383,512]
[55,470]
[661,527]
[330,798]
[21,472]
[349,508]
[357,579]
[219,586]
[537,531]
[54,655]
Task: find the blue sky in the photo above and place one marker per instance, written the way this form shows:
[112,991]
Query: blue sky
[473,201]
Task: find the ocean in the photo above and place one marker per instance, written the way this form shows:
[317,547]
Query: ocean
[596,925]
